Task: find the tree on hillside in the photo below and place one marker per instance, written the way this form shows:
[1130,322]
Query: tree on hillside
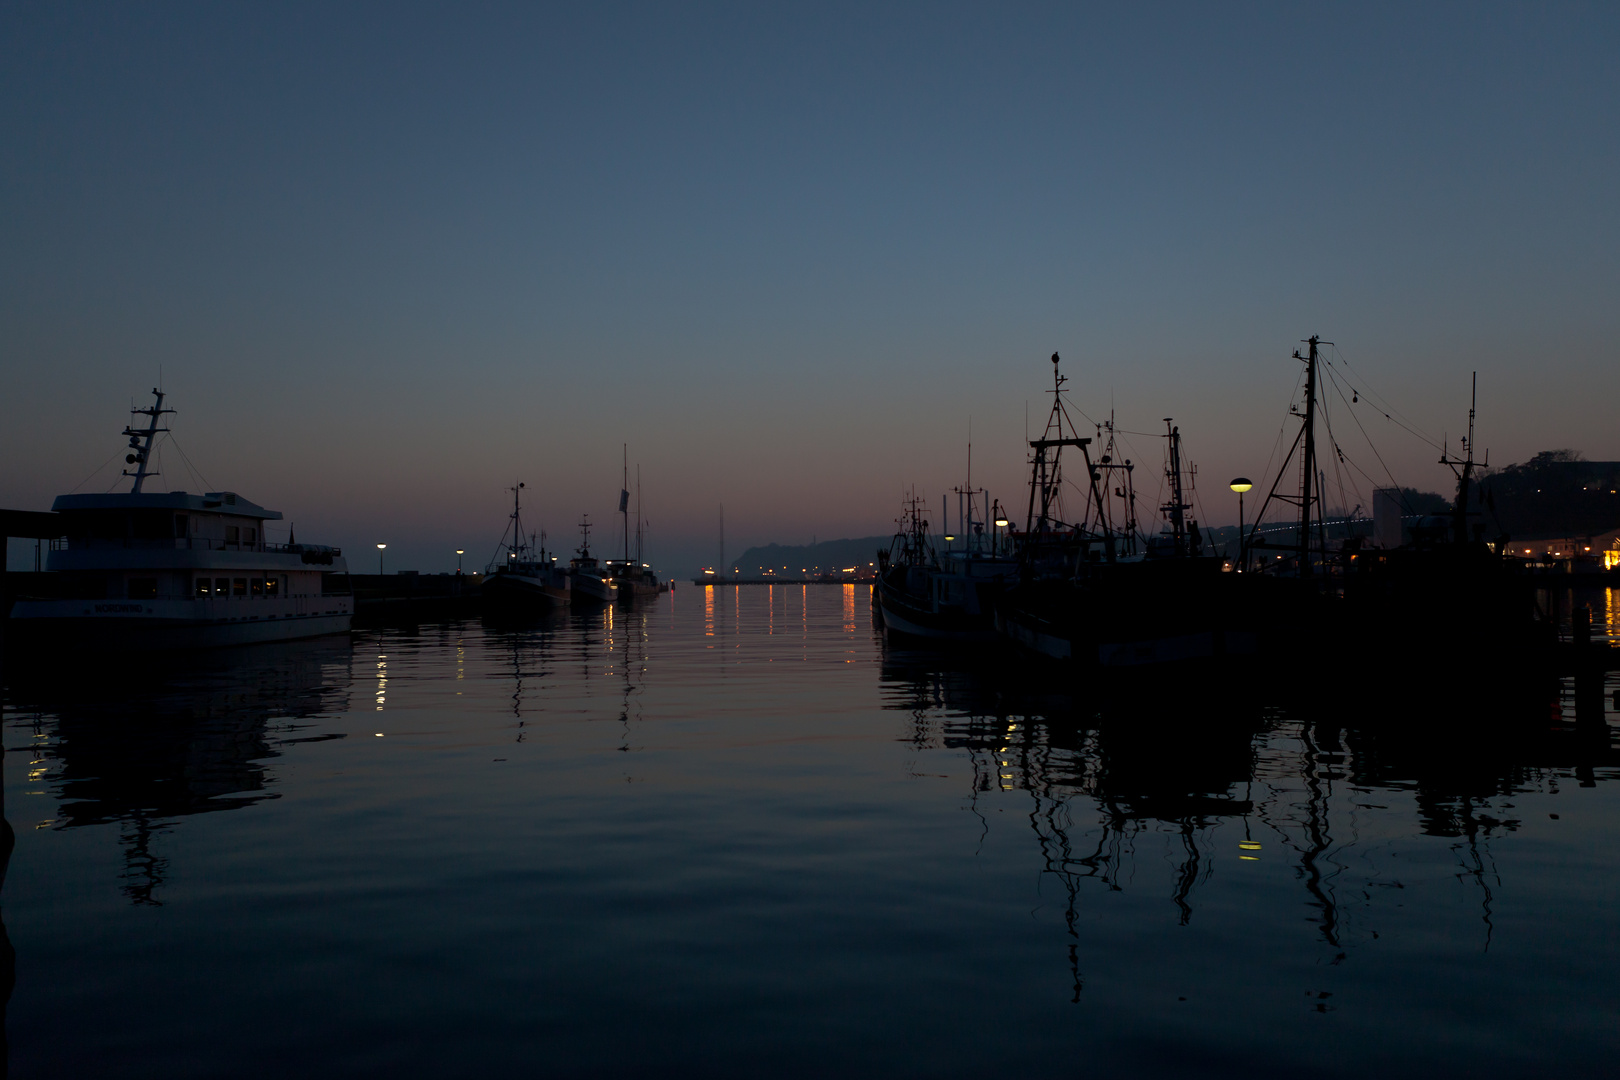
[1413,501]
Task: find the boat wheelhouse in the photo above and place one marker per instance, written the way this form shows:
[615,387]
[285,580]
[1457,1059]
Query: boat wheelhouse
[947,595]
[588,580]
[174,570]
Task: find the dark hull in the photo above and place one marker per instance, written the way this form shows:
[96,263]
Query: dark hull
[585,589]
[639,590]
[502,589]
[1133,615]
[1142,648]
[905,612]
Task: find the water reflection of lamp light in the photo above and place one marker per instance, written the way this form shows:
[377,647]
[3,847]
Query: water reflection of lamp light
[1240,485]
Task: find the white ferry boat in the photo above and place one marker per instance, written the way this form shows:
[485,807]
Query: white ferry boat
[148,570]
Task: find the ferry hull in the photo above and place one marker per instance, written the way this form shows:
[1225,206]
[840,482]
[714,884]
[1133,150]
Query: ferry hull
[130,632]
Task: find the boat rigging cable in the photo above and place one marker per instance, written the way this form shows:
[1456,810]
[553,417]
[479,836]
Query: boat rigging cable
[196,474]
[1389,411]
[74,490]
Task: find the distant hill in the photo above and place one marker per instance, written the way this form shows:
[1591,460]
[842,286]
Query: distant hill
[787,559]
[1555,493]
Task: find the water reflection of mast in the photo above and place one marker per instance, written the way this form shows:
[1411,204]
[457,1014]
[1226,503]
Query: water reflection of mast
[630,686]
[1056,850]
[517,686]
[1477,870]
[1316,830]
[143,869]
[1187,875]
[194,737]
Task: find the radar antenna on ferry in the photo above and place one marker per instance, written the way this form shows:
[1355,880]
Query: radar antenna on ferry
[141,451]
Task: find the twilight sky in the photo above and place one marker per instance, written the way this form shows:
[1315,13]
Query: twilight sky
[393,258]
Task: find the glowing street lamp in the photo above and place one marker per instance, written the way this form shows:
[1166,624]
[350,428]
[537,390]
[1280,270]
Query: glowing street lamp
[380,559]
[459,553]
[1240,485]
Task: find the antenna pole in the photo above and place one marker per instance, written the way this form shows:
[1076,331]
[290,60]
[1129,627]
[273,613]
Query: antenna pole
[1459,510]
[1178,505]
[1308,477]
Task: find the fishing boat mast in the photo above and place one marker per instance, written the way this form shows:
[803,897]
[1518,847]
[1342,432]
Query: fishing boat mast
[140,441]
[1046,480]
[1310,482]
[1125,491]
[1308,479]
[585,537]
[1178,506]
[624,503]
[1464,471]
[517,522]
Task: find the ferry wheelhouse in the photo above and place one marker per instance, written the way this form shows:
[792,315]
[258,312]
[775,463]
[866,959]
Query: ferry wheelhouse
[174,570]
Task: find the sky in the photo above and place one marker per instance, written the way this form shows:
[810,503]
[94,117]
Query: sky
[390,259]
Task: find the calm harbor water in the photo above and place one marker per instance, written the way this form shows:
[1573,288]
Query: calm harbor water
[733,833]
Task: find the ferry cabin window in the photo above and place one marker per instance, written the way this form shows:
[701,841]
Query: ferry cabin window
[250,536]
[202,587]
[143,588]
[258,586]
[239,586]
[272,587]
[222,586]
[233,535]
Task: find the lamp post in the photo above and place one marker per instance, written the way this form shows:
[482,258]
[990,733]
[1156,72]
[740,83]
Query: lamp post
[380,559]
[1240,485]
[1002,521]
[459,553]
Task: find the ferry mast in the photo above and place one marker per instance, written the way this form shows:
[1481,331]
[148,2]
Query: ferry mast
[141,452]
